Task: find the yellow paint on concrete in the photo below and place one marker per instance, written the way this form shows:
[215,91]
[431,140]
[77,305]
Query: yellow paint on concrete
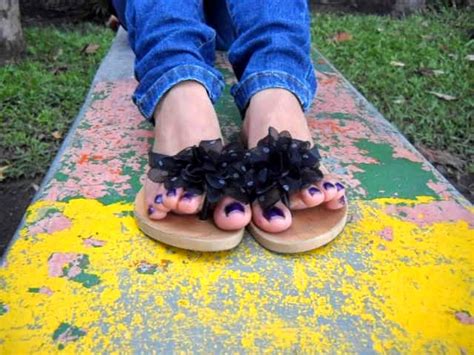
[402,295]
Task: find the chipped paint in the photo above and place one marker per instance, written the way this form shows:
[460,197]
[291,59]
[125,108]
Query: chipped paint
[82,278]
[393,299]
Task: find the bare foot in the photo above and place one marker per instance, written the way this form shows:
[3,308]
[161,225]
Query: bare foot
[184,117]
[280,109]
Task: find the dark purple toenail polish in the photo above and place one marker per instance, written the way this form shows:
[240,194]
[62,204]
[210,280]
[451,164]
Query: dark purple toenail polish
[171,193]
[342,200]
[151,210]
[273,212]
[328,186]
[313,191]
[188,195]
[159,199]
[339,186]
[232,207]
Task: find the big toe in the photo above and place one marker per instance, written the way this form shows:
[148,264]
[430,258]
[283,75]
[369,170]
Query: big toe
[274,219]
[231,214]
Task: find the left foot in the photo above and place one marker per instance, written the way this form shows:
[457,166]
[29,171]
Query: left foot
[280,109]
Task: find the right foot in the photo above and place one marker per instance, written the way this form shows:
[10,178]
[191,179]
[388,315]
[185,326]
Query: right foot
[183,118]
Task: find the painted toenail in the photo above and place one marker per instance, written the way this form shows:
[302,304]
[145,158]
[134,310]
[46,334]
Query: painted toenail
[151,210]
[342,200]
[313,191]
[188,195]
[232,207]
[171,193]
[159,199]
[339,186]
[273,212]
[328,186]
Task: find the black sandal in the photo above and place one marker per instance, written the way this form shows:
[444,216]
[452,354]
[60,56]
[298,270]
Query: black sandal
[209,169]
[282,166]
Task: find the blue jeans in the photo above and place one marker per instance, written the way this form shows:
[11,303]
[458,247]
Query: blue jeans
[268,43]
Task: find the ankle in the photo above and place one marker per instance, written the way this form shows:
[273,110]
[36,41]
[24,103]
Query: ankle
[277,108]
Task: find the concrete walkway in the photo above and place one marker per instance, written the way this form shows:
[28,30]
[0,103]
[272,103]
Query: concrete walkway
[80,277]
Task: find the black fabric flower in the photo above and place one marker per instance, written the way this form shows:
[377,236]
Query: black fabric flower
[210,168]
[280,166]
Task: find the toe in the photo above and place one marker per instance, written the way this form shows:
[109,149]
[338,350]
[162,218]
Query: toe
[172,197]
[273,220]
[155,214]
[189,203]
[231,214]
[312,196]
[337,203]
[329,189]
[154,196]
[339,199]
[296,202]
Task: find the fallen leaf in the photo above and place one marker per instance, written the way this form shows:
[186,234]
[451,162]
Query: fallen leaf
[441,157]
[2,171]
[428,37]
[443,96]
[113,23]
[57,135]
[60,69]
[399,101]
[429,72]
[90,48]
[58,54]
[397,64]
[470,57]
[35,187]
[342,37]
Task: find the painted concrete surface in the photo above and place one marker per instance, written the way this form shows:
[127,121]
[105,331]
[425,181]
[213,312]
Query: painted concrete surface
[80,276]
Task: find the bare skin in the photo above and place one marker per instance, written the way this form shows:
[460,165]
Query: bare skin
[184,117]
[280,109]
[186,114]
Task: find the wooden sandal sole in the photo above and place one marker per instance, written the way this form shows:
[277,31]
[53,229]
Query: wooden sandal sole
[185,231]
[311,228]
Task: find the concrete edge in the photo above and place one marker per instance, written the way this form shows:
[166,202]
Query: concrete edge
[105,72]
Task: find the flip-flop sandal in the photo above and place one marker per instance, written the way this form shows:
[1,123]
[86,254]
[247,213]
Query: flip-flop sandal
[281,166]
[210,169]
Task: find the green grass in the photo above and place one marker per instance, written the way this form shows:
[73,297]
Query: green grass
[42,94]
[438,41]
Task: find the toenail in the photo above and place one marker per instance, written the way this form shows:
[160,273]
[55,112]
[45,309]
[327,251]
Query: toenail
[159,199]
[171,193]
[273,212]
[232,207]
[313,191]
[339,186]
[328,186]
[342,200]
[151,210]
[188,195]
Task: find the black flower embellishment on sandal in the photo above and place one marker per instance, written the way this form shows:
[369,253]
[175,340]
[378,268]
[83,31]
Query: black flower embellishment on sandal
[209,168]
[280,166]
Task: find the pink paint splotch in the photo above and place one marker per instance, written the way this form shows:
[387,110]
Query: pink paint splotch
[64,265]
[387,234]
[109,140]
[434,212]
[92,242]
[50,224]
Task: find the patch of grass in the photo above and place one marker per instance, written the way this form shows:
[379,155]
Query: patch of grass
[40,96]
[437,41]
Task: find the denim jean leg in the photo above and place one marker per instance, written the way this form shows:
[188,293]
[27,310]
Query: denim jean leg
[172,43]
[272,49]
